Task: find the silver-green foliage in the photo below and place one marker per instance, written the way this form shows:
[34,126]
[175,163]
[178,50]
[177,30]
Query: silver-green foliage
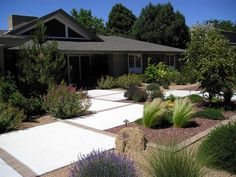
[106,82]
[153,111]
[183,111]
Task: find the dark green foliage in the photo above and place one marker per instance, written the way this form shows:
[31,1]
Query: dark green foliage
[220,143]
[156,94]
[153,86]
[226,25]
[170,163]
[165,84]
[107,82]
[171,98]
[137,94]
[211,59]
[195,98]
[211,113]
[10,117]
[64,102]
[92,23]
[126,81]
[104,164]
[228,94]
[7,87]
[162,25]
[120,21]
[40,65]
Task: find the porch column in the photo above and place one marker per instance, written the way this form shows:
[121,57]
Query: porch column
[68,68]
[1,60]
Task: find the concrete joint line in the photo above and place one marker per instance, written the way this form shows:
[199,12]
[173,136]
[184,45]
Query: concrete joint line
[17,165]
[88,128]
[107,94]
[114,108]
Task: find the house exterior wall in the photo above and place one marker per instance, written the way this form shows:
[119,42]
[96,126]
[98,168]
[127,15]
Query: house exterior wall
[1,60]
[118,64]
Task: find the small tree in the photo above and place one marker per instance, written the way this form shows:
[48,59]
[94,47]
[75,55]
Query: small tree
[40,64]
[120,21]
[212,59]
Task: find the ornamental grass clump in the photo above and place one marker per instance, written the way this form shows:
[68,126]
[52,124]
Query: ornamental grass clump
[64,102]
[183,111]
[126,81]
[153,111]
[221,144]
[170,163]
[104,164]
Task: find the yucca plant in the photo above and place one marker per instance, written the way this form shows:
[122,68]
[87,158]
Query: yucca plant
[153,111]
[183,110]
[170,163]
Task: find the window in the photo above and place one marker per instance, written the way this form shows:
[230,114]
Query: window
[135,63]
[170,60]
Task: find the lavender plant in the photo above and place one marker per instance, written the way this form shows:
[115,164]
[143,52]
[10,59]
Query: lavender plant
[103,164]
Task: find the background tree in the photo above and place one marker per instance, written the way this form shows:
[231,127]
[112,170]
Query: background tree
[222,24]
[120,21]
[212,59]
[92,23]
[161,24]
[40,64]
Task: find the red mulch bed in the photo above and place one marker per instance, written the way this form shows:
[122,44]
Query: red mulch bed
[169,133]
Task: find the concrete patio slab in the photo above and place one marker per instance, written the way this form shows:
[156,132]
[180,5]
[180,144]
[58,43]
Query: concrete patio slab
[101,105]
[112,97]
[48,147]
[181,93]
[99,92]
[7,171]
[112,118]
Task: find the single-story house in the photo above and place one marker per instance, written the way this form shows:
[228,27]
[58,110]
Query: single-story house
[88,55]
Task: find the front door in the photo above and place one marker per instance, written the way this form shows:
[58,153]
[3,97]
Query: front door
[135,63]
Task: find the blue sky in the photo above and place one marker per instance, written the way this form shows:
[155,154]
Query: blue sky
[193,10]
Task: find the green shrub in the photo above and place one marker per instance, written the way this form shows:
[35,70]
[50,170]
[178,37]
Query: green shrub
[152,112]
[153,86]
[31,106]
[64,102]
[228,94]
[169,163]
[182,111]
[165,84]
[10,117]
[7,87]
[171,98]
[173,75]
[156,72]
[211,113]
[126,81]
[137,94]
[195,98]
[221,144]
[107,82]
[156,94]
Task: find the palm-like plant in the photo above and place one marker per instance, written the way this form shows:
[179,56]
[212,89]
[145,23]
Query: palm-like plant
[183,111]
[153,111]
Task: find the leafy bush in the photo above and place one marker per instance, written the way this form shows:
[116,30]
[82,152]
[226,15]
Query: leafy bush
[152,112]
[104,164]
[7,87]
[137,94]
[228,94]
[169,163]
[64,102]
[195,98]
[31,106]
[153,86]
[10,117]
[156,72]
[173,75]
[182,111]
[165,84]
[106,82]
[126,81]
[211,113]
[220,143]
[156,94]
